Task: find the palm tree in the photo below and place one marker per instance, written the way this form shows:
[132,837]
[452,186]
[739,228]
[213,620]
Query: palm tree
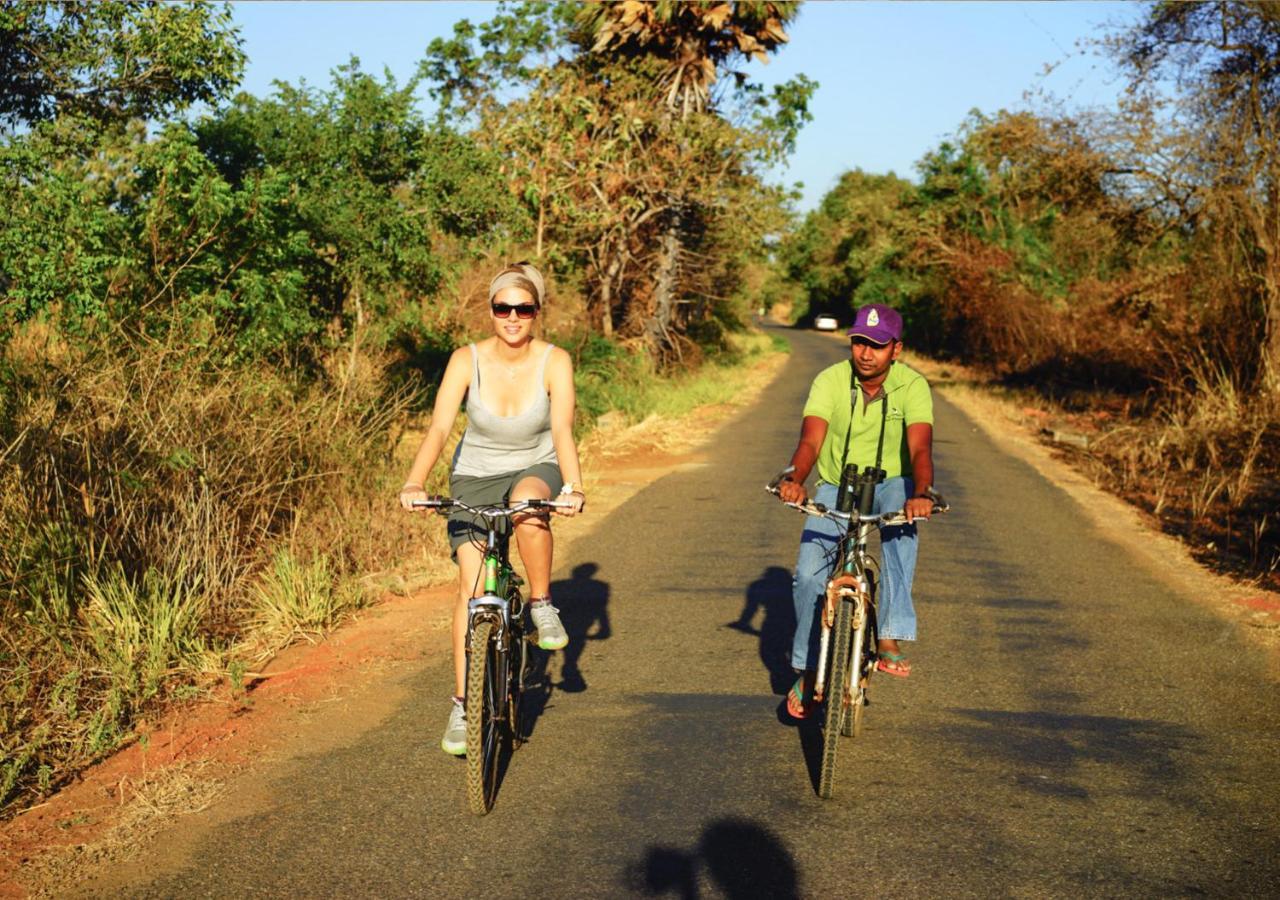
[692,42]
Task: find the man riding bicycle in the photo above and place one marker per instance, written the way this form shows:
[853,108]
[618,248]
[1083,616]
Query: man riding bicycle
[871,406]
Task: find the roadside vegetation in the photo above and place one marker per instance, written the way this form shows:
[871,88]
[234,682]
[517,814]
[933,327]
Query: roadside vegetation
[221,315]
[1119,267]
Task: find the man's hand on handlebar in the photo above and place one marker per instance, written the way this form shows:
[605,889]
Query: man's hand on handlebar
[917,508]
[791,491]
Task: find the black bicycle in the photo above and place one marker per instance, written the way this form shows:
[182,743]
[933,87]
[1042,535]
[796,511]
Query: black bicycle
[847,646]
[498,651]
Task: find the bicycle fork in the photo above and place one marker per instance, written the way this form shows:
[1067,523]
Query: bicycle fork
[841,587]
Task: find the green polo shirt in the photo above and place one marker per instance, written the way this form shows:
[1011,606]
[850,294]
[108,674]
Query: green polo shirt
[910,402]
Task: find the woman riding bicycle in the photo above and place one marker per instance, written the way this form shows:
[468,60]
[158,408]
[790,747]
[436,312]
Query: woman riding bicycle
[518,445]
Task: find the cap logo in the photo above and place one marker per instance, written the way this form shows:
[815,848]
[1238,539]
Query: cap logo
[873,318]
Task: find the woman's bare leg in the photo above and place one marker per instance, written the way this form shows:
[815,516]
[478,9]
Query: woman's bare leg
[533,537]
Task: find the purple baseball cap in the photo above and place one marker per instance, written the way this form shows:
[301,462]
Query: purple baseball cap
[877,323]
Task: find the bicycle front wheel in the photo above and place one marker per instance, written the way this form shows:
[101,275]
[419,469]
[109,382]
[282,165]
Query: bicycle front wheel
[486,687]
[851,720]
[864,655]
[837,696]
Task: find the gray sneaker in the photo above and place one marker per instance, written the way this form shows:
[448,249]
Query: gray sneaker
[454,741]
[551,634]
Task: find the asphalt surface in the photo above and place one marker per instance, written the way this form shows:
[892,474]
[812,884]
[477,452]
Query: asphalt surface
[1072,726]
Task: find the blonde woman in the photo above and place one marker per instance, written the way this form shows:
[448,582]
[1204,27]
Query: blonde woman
[518,445]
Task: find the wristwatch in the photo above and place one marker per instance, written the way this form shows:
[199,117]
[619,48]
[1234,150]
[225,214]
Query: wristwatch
[570,488]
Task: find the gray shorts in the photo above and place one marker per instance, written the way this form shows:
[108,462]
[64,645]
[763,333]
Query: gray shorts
[491,490]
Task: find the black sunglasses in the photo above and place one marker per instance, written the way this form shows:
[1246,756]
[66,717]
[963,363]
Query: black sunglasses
[523,310]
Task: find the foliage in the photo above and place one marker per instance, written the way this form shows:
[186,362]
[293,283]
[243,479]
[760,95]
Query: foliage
[113,61]
[144,487]
[1208,151]
[288,224]
[1125,262]
[693,40]
[606,174]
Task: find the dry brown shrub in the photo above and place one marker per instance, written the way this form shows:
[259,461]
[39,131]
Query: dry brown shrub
[990,317]
[152,461]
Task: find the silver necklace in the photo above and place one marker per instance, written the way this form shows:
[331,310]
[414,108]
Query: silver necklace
[512,370]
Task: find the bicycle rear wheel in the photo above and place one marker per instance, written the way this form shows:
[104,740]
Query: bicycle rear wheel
[521,662]
[837,693]
[486,689]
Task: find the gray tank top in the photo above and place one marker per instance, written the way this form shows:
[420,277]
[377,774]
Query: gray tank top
[493,444]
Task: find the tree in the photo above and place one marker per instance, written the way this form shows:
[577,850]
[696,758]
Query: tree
[113,61]
[604,170]
[690,42]
[693,41]
[1208,149]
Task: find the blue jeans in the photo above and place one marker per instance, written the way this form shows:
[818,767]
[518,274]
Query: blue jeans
[818,548]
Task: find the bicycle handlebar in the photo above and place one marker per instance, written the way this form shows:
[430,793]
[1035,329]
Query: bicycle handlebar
[883,520]
[490,512]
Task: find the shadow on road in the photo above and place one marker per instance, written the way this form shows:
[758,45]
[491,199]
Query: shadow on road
[810,733]
[585,613]
[771,594]
[583,602]
[736,857]
[1056,750]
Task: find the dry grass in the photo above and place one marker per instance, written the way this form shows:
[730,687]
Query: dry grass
[1202,457]
[144,491]
[147,805]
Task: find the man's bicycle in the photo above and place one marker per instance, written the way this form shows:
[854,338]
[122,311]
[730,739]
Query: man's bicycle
[498,651]
[847,644]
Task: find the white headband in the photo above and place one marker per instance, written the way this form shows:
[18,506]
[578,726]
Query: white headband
[508,278]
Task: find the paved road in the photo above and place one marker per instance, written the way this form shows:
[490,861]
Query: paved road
[1071,727]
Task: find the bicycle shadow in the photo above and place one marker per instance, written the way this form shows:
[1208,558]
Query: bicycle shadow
[810,733]
[738,858]
[583,601]
[770,594]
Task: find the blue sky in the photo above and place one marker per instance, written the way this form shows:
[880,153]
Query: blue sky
[895,78]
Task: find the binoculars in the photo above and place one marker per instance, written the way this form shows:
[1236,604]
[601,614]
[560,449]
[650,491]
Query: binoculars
[860,487]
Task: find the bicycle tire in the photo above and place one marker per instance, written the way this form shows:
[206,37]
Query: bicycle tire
[851,718]
[521,660]
[865,653]
[837,684]
[484,723]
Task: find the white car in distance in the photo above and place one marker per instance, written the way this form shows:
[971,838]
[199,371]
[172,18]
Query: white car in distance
[826,323]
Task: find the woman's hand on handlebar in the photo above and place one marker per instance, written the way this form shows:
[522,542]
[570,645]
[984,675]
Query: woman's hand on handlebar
[577,501]
[410,493]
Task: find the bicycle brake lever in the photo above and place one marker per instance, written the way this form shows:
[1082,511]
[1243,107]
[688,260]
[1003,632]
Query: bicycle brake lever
[777,479]
[939,502]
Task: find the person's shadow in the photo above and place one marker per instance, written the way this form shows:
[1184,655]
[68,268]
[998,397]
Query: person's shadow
[738,857]
[584,605]
[585,615]
[770,594]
